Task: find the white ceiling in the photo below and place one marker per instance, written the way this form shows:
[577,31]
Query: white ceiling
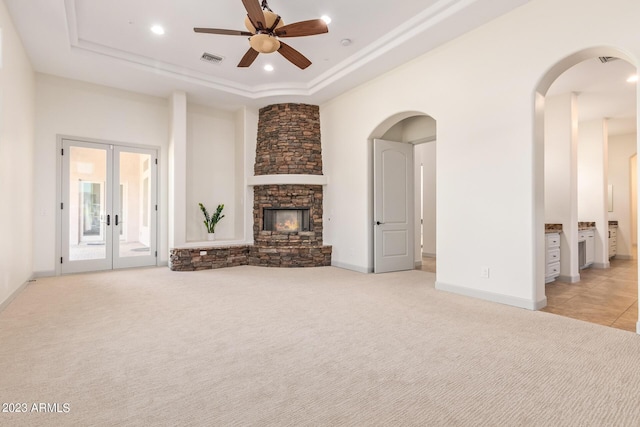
[108,42]
[602,92]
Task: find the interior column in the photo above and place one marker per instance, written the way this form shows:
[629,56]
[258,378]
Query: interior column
[561,178]
[177,169]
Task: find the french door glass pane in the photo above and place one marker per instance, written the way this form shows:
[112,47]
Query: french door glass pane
[135,204]
[87,182]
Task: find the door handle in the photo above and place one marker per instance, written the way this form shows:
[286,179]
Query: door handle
[116,219]
[108,219]
[379,223]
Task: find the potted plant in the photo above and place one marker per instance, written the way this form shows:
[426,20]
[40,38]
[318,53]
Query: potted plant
[210,221]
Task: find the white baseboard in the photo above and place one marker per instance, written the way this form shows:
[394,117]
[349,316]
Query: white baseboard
[638,328]
[49,273]
[601,265]
[568,279]
[351,267]
[493,297]
[52,273]
[4,304]
[417,264]
[625,257]
[428,255]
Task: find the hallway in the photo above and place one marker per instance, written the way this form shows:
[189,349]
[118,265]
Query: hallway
[605,296]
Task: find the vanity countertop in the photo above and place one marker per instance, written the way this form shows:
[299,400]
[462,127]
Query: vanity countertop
[587,225]
[552,228]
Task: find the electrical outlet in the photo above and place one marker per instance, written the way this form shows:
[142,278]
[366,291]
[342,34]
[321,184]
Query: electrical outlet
[484,272]
[203,253]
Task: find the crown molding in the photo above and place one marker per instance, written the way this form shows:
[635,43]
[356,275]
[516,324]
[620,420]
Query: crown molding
[411,29]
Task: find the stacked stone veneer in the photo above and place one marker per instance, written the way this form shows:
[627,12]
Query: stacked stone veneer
[289,140]
[206,258]
[288,143]
[288,197]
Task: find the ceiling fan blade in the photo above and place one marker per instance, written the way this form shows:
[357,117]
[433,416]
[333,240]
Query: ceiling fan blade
[294,56]
[303,28]
[248,58]
[255,13]
[223,32]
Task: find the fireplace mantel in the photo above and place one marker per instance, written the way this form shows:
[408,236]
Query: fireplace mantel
[287,179]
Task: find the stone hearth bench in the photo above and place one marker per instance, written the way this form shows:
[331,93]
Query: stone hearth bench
[210,257]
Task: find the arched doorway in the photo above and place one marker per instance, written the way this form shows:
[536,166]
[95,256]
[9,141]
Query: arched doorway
[417,132]
[582,104]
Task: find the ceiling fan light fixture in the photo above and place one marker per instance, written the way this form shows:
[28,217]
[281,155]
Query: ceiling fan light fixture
[264,43]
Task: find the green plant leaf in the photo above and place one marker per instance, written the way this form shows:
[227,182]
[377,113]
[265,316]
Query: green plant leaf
[211,220]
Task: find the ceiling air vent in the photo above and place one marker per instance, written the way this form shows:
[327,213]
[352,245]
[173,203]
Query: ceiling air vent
[209,57]
[605,59]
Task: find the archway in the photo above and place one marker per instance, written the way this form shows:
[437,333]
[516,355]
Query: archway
[574,139]
[419,131]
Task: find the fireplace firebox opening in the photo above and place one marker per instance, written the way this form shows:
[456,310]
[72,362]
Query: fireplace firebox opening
[285,219]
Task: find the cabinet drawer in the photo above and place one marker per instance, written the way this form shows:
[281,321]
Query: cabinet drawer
[553,270]
[553,240]
[586,235]
[553,255]
[613,232]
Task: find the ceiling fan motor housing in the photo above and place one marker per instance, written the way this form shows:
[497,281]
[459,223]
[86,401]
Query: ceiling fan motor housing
[270,19]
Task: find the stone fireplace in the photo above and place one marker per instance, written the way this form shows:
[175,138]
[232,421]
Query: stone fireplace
[287,198]
[287,218]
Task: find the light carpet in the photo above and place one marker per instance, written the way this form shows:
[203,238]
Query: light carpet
[321,346]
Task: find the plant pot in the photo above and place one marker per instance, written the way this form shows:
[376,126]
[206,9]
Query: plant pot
[211,236]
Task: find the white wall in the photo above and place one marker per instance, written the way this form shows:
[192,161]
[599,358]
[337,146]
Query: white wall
[68,107]
[481,88]
[425,155]
[17,117]
[621,149]
[247,134]
[211,171]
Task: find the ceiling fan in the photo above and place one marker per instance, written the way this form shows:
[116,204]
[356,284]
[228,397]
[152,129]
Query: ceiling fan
[265,29]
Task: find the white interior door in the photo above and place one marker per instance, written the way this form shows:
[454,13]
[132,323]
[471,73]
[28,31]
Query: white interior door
[108,207]
[393,206]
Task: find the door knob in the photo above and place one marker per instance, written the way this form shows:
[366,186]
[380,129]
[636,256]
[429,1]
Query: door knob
[116,219]
[108,219]
[379,223]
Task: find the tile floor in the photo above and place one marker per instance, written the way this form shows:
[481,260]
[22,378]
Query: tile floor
[428,264]
[607,297]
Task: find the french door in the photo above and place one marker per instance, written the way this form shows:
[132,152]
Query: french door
[108,206]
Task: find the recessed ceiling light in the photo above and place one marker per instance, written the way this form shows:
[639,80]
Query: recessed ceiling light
[326,19]
[157,29]
[268,67]
[633,78]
